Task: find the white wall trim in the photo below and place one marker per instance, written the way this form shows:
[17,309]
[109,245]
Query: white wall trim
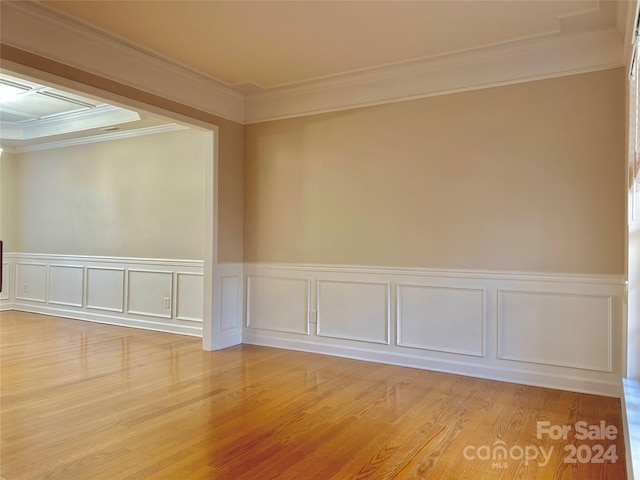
[507,275]
[573,383]
[515,62]
[379,313]
[294,291]
[7,280]
[96,117]
[150,312]
[447,320]
[52,283]
[48,257]
[520,356]
[228,303]
[104,137]
[480,322]
[177,306]
[117,320]
[282,311]
[106,291]
[20,287]
[122,290]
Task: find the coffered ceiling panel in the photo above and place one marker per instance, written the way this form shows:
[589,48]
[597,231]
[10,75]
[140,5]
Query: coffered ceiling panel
[33,115]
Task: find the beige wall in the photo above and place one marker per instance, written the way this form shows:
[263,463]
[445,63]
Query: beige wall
[137,197]
[230,197]
[230,138]
[8,221]
[522,177]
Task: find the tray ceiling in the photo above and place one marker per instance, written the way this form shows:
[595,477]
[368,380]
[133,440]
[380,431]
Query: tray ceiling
[34,114]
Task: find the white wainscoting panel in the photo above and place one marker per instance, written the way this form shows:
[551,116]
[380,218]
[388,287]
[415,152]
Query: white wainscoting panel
[354,310]
[230,313]
[31,281]
[189,297]
[441,318]
[278,303]
[6,281]
[105,289]
[556,329]
[148,292]
[550,330]
[66,285]
[227,305]
[124,291]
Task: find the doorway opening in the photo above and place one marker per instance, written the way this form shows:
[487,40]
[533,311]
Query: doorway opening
[209,152]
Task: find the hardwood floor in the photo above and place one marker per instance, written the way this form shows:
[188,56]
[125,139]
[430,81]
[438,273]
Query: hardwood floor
[84,401]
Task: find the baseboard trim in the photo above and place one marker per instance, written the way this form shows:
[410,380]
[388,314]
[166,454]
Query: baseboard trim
[557,382]
[194,331]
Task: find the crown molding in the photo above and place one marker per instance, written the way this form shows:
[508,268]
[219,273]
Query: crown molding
[104,137]
[39,30]
[516,62]
[35,28]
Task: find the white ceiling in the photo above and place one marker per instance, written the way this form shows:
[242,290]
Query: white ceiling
[255,45]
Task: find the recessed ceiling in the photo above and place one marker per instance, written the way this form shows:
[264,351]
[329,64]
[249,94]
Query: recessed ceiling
[33,114]
[251,45]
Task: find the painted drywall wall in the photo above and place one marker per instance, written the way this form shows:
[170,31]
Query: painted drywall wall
[230,191]
[135,197]
[8,220]
[230,136]
[525,177]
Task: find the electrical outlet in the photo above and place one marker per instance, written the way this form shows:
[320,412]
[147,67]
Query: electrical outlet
[167,302]
[313,316]
[24,288]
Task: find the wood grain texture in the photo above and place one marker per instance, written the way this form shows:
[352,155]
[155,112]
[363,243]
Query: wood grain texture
[82,400]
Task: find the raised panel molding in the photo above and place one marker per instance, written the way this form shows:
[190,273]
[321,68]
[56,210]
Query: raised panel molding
[66,285]
[6,280]
[228,299]
[568,330]
[442,318]
[115,290]
[475,323]
[105,289]
[189,296]
[31,282]
[148,290]
[354,310]
[279,304]
[584,312]
[229,302]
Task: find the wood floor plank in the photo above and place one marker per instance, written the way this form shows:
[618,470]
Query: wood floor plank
[81,400]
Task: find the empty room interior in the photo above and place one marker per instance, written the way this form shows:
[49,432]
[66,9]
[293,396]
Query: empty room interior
[319,240]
